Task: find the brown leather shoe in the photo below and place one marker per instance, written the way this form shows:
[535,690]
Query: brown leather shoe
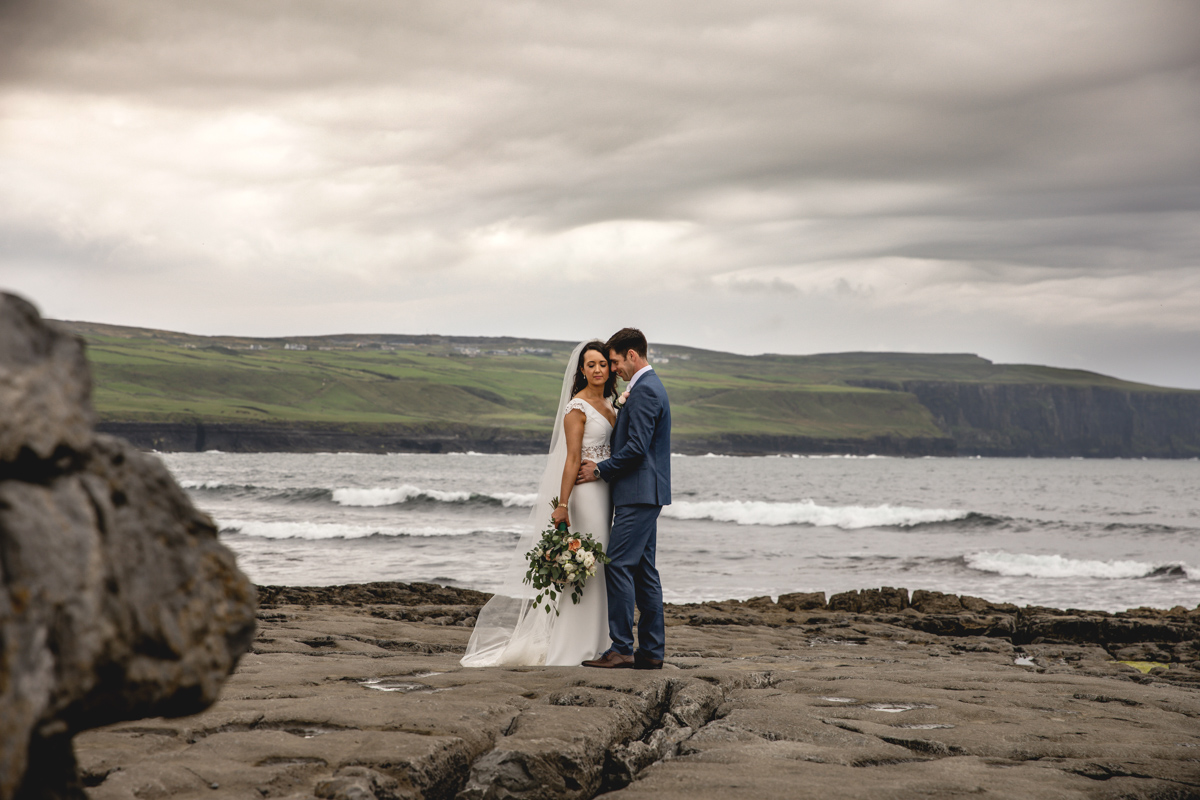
[610,659]
[645,662]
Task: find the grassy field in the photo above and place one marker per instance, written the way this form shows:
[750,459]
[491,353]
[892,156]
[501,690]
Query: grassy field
[160,376]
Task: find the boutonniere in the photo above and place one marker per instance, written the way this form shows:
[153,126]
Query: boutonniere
[619,403]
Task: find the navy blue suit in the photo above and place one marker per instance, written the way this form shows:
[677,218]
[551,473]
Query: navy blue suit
[639,473]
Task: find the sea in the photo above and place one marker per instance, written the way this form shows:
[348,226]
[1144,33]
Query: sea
[1068,533]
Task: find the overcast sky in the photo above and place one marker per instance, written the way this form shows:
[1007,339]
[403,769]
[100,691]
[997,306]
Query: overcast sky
[1015,179]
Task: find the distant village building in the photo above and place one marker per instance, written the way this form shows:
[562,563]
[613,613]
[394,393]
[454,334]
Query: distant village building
[291,346]
[531,351]
[469,352]
[256,347]
[659,357]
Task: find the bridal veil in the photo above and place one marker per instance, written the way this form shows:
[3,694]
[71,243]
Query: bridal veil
[510,630]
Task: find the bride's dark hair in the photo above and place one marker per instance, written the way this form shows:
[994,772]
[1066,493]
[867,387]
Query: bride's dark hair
[610,385]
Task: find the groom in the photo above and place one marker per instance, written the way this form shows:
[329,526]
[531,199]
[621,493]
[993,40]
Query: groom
[639,472]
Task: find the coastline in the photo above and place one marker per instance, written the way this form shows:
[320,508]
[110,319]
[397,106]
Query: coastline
[317,438]
[355,691]
[450,438]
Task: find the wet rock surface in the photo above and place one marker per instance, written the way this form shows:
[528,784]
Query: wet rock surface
[116,599]
[756,700]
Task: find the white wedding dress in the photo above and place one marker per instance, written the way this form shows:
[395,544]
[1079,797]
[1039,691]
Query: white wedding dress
[581,631]
[510,631]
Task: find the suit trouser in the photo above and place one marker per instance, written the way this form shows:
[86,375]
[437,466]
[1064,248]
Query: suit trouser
[632,579]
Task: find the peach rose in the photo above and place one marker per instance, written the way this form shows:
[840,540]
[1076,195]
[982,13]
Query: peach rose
[575,543]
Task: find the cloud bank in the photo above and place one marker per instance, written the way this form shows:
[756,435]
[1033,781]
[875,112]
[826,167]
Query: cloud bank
[1019,180]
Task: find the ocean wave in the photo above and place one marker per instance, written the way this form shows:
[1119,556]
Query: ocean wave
[784,455]
[210,486]
[366,498]
[333,530]
[387,496]
[1028,565]
[850,456]
[303,494]
[806,512]
[1145,527]
[741,512]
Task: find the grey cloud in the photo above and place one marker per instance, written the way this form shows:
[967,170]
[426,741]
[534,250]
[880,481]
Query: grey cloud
[513,147]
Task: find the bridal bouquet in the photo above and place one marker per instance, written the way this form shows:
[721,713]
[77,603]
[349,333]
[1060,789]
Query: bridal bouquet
[562,561]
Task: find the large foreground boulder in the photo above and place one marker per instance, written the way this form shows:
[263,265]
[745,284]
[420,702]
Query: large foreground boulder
[116,599]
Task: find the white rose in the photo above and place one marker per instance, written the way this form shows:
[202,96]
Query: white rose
[589,561]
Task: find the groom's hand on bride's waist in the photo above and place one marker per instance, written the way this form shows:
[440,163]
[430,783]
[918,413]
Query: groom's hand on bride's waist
[587,472]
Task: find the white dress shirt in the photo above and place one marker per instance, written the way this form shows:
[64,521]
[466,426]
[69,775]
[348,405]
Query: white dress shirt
[637,375]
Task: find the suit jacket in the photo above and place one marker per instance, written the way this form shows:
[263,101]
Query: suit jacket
[639,470]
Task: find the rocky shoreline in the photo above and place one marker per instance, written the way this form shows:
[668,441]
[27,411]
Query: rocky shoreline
[356,692]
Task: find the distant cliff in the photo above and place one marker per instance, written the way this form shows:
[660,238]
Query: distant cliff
[1012,419]
[376,393]
[299,437]
[316,438]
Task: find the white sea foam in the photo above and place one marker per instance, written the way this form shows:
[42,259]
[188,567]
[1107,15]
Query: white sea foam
[1028,565]
[202,484]
[333,530]
[846,455]
[384,496]
[515,499]
[390,496]
[806,512]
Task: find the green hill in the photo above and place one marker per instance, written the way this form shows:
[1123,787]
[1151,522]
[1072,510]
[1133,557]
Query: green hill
[476,388]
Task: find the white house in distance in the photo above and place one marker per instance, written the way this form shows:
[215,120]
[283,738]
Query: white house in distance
[290,346]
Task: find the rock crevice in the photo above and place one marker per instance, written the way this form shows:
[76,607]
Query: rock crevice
[542,757]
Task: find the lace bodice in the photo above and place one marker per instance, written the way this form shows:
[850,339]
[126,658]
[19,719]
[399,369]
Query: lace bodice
[597,431]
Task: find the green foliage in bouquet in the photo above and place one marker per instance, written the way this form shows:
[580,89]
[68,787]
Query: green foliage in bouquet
[560,561]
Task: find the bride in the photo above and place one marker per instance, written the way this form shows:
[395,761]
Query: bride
[510,631]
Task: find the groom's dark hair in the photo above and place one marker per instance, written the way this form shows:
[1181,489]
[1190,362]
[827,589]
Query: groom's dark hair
[628,339]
